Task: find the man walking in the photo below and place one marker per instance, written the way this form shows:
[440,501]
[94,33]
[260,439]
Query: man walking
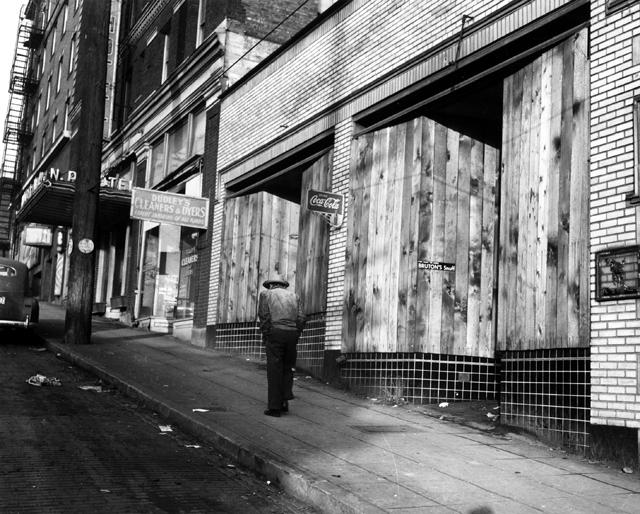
[281,322]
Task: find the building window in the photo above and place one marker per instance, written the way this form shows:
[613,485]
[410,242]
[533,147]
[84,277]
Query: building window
[202,6]
[196,144]
[44,143]
[66,115]
[157,162]
[76,3]
[48,97]
[65,16]
[38,107]
[53,39]
[636,142]
[618,5]
[59,79]
[72,52]
[178,146]
[44,58]
[53,128]
[165,58]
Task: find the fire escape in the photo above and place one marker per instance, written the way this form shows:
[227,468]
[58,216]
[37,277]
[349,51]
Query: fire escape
[17,132]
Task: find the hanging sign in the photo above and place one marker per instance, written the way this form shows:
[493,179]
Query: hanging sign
[329,205]
[171,208]
[85,245]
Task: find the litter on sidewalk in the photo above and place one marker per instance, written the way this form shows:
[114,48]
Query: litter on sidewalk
[97,389]
[40,380]
[165,428]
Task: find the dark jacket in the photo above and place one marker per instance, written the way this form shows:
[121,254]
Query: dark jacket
[280,308]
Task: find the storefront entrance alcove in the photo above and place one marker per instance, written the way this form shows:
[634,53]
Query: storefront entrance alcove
[269,231]
[467,245]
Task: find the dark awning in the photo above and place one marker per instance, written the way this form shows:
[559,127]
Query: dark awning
[53,205]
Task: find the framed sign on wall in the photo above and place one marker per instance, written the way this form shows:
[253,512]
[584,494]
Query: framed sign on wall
[617,273]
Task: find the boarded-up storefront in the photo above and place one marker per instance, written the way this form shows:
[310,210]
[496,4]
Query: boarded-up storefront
[421,238]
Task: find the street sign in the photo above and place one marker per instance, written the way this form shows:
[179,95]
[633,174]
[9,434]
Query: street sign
[171,208]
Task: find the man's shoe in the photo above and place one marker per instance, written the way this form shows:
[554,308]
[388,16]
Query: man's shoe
[272,412]
[285,407]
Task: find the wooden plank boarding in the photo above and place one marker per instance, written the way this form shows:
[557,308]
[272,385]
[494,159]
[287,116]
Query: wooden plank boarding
[488,253]
[544,158]
[462,248]
[447,336]
[476,165]
[564,194]
[437,241]
[523,203]
[425,232]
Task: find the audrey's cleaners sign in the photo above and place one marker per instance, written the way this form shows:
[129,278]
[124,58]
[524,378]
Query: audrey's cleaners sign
[172,208]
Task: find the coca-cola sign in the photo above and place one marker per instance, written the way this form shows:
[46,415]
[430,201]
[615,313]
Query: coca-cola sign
[322,201]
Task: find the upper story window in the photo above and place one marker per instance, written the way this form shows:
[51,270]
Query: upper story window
[54,30]
[617,5]
[48,97]
[183,141]
[59,78]
[202,6]
[65,125]
[38,107]
[72,52]
[65,16]
[636,141]
[165,58]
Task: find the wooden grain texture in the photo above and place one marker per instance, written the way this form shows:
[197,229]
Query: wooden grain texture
[544,159]
[437,240]
[415,196]
[564,196]
[520,314]
[425,213]
[488,253]
[549,160]
[462,247]
[476,171]
[447,333]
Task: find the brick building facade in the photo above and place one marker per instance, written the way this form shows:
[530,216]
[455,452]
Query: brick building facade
[527,72]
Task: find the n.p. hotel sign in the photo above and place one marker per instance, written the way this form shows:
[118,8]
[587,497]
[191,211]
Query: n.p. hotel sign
[171,208]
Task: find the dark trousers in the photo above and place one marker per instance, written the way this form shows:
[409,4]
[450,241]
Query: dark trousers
[281,358]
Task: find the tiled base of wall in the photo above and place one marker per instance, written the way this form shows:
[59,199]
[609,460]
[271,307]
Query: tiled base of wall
[548,392]
[420,377]
[246,339]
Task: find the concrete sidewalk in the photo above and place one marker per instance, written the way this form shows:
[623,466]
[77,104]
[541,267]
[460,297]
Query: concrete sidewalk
[335,451]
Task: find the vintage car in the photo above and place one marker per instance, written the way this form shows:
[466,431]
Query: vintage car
[18,307]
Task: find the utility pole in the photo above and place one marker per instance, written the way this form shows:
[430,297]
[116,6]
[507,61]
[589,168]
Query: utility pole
[86,155]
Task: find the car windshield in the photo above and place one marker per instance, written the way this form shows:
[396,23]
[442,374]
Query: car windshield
[7,271]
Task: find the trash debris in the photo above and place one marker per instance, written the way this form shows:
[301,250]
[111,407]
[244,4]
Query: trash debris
[200,410]
[105,491]
[97,389]
[230,466]
[443,405]
[337,476]
[492,416]
[268,482]
[165,428]
[40,349]
[40,380]
[627,470]
[496,408]
[192,446]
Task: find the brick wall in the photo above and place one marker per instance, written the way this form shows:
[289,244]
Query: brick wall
[615,327]
[357,45]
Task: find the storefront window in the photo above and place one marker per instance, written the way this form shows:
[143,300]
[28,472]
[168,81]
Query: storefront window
[178,140]
[157,162]
[149,271]
[186,283]
[168,271]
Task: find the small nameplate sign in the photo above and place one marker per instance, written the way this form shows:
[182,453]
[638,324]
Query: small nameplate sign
[436,266]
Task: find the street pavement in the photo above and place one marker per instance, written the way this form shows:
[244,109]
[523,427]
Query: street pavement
[84,447]
[336,451]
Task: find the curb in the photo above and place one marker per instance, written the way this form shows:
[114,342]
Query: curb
[312,490]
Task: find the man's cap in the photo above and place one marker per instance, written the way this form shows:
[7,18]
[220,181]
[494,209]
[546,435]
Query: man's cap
[275,281]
